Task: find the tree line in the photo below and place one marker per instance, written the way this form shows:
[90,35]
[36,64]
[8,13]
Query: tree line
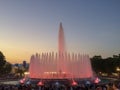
[108,65]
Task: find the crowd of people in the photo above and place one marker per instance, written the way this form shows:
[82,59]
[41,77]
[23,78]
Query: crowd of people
[109,86]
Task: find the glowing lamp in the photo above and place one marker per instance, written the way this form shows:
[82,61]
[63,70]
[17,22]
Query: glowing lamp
[97,80]
[74,83]
[22,81]
[40,83]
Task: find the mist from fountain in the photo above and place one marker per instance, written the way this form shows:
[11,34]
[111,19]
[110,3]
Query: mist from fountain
[61,64]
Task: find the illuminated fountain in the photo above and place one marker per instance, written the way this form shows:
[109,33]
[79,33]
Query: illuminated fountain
[60,65]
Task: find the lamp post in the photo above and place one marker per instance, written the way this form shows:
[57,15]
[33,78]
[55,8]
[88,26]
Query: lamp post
[118,70]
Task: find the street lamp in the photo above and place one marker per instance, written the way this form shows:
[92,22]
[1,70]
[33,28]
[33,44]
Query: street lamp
[118,70]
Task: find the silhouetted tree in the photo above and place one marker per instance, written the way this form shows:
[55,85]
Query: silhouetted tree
[5,67]
[96,63]
[107,65]
[2,63]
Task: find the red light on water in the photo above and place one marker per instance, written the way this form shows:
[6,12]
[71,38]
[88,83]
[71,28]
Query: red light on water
[22,81]
[74,83]
[40,83]
[97,80]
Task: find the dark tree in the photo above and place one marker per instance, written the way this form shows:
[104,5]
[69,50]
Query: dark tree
[5,67]
[97,63]
[107,65]
[2,63]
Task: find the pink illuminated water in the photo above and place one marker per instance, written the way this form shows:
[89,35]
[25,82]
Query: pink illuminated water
[61,64]
[61,41]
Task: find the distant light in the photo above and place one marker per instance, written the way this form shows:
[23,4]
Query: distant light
[97,80]
[118,69]
[22,80]
[40,83]
[74,83]
[26,73]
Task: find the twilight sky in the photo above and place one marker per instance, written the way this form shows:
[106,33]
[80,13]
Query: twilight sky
[30,26]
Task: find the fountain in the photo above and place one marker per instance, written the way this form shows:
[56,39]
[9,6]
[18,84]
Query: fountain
[61,64]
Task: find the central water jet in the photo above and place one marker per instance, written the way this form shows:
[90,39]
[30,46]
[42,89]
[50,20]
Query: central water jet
[60,65]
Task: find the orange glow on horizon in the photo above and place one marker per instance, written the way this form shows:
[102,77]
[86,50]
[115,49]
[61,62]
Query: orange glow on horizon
[17,54]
